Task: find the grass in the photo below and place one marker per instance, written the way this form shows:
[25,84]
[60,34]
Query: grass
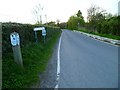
[35,59]
[102,35]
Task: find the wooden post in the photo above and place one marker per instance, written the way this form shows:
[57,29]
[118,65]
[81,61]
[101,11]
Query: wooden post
[15,41]
[17,55]
[36,37]
[0,41]
[44,39]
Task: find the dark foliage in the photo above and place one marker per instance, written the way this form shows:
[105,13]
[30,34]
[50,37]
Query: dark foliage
[26,34]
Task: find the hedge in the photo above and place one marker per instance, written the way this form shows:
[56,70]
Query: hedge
[109,26]
[26,34]
[35,56]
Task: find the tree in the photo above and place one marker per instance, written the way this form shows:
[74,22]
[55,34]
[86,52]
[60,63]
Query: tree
[79,14]
[95,15]
[73,22]
[102,22]
[63,25]
[51,23]
[108,16]
[37,11]
[58,22]
[76,21]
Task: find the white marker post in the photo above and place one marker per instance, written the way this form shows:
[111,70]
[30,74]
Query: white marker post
[15,41]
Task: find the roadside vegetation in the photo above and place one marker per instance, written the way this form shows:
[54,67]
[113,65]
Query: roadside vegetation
[99,22]
[102,35]
[35,56]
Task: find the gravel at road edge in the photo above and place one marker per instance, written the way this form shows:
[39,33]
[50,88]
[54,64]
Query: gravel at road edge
[48,77]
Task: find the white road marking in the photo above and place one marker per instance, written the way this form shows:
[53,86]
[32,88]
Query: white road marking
[98,38]
[58,62]
[56,86]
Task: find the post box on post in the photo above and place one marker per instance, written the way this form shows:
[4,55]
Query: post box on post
[15,41]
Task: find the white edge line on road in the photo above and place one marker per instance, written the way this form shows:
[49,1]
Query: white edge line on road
[58,62]
[99,40]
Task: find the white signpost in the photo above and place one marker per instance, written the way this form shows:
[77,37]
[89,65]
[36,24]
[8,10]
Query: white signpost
[15,41]
[43,32]
[39,28]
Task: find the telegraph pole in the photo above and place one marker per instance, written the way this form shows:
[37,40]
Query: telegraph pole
[119,8]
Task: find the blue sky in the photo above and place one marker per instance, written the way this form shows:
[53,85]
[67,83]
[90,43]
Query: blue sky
[22,10]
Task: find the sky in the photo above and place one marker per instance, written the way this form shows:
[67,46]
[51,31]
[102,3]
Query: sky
[21,11]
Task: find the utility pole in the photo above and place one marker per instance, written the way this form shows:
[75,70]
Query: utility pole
[46,18]
[119,8]
[0,41]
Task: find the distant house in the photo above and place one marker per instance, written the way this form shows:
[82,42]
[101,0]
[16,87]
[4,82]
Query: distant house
[119,8]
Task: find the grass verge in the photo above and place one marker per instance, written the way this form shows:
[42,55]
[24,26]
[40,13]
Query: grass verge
[102,35]
[35,59]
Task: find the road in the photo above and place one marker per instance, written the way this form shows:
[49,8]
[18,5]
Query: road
[86,62]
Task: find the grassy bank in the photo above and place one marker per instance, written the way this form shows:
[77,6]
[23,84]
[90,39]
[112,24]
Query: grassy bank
[35,59]
[102,35]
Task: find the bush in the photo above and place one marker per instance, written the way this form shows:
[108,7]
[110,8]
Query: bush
[26,34]
[73,23]
[109,26]
[35,56]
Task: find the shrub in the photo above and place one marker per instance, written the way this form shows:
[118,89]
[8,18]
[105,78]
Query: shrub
[26,34]
[35,56]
